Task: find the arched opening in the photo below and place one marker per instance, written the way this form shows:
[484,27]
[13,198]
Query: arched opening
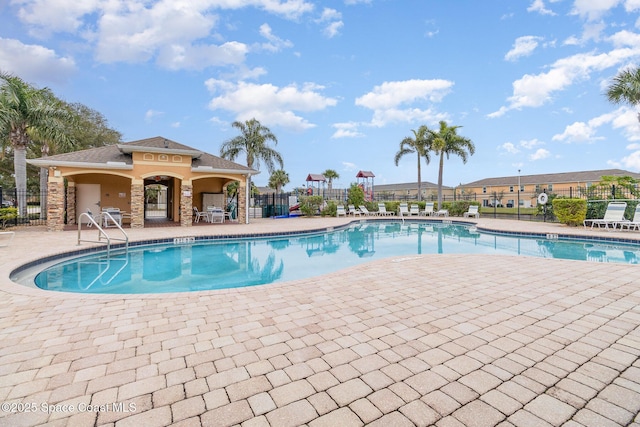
[159,198]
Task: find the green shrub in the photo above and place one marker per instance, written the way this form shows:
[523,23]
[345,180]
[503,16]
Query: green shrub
[310,205]
[6,215]
[355,195]
[570,211]
[330,209]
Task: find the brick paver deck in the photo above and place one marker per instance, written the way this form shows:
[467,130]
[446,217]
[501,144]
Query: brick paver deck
[444,340]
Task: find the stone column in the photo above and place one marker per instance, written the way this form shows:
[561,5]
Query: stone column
[186,204]
[137,203]
[242,203]
[71,203]
[55,204]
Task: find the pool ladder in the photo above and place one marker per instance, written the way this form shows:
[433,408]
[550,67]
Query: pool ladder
[101,233]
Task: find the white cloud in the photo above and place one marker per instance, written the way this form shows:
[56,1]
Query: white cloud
[33,62]
[540,154]
[592,10]
[537,90]
[623,118]
[523,46]
[509,147]
[270,104]
[275,43]
[531,143]
[151,114]
[346,130]
[349,166]
[332,19]
[538,6]
[632,161]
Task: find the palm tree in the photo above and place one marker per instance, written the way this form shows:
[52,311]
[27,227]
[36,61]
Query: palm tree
[28,114]
[278,179]
[253,141]
[625,88]
[419,144]
[446,142]
[330,174]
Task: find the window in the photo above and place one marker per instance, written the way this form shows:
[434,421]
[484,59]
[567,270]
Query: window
[484,190]
[550,187]
[522,188]
[537,188]
[511,189]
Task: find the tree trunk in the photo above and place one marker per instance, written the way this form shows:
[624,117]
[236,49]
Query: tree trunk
[440,168]
[419,179]
[20,170]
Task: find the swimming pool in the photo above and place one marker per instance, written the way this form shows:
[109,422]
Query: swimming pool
[191,265]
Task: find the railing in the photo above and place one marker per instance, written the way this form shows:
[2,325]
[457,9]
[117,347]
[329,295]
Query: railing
[101,233]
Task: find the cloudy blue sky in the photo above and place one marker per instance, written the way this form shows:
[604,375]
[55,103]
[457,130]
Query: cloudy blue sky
[342,82]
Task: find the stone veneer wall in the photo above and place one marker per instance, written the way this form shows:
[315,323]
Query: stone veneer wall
[242,204]
[186,205]
[137,205]
[55,205]
[71,204]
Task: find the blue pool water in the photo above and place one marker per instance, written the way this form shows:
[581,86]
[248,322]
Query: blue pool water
[224,263]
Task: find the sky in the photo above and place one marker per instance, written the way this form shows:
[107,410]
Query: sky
[342,82]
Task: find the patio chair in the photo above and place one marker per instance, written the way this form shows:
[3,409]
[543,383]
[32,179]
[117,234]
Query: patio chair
[473,211]
[197,215]
[613,216]
[340,211]
[414,210]
[634,223]
[382,210]
[403,209]
[96,218]
[353,211]
[364,210]
[428,209]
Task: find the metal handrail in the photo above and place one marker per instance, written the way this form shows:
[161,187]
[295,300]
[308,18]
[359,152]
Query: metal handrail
[101,233]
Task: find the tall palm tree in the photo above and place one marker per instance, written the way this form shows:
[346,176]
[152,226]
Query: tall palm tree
[330,174]
[278,179]
[419,144]
[253,141]
[27,114]
[625,88]
[446,142]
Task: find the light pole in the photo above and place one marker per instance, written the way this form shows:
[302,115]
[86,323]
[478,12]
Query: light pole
[518,194]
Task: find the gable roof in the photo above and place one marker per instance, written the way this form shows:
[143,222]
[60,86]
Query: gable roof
[552,178]
[119,157]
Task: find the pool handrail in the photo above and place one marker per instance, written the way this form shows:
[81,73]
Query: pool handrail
[101,233]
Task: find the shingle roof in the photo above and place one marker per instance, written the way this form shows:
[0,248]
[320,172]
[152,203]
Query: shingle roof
[552,178]
[119,154]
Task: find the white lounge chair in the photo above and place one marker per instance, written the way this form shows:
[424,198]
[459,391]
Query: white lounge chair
[428,209]
[382,210]
[353,211]
[634,224]
[340,211]
[613,216]
[364,210]
[414,210]
[403,209]
[473,211]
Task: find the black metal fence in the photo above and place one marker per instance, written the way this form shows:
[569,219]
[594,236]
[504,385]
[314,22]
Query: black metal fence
[30,207]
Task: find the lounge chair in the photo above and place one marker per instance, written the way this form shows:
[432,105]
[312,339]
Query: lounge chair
[428,209]
[414,210]
[473,211]
[353,211]
[442,212]
[364,210]
[340,211]
[403,210]
[634,224]
[382,210]
[613,216]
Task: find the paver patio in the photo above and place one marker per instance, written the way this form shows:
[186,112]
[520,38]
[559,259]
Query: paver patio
[444,340]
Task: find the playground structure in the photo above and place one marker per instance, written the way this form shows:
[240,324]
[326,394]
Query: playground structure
[365,181]
[318,179]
